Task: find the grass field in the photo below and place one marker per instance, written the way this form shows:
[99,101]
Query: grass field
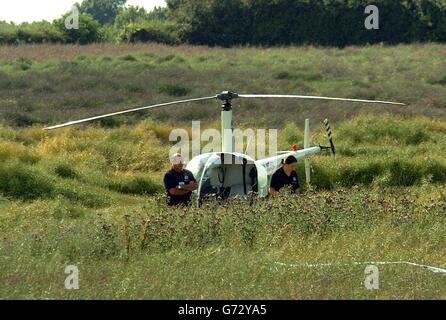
[92,196]
[49,84]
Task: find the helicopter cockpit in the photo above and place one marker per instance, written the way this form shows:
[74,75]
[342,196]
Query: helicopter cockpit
[227,175]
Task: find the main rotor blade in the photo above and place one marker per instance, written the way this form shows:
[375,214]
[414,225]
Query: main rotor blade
[71,123]
[315,98]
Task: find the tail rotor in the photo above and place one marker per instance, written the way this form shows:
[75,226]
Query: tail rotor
[307,145]
[330,136]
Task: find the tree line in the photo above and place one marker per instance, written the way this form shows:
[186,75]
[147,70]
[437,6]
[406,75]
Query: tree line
[241,22]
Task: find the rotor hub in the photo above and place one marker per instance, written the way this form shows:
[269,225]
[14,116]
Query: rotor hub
[227,96]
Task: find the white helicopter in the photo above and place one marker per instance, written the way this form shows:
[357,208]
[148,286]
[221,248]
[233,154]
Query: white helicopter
[228,174]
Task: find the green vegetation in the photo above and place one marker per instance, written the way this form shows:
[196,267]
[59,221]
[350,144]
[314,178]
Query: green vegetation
[244,22]
[103,11]
[52,83]
[87,32]
[285,22]
[92,196]
[150,31]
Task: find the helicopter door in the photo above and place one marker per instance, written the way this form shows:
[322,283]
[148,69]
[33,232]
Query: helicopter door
[205,188]
[239,179]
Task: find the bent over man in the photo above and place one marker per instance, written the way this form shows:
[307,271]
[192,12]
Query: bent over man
[285,176]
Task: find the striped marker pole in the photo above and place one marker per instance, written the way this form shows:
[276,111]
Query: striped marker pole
[307,160]
[330,135]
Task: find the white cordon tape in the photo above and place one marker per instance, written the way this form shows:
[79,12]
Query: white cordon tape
[317,265]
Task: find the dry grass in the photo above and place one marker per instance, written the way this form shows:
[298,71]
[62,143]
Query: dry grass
[45,52]
[54,83]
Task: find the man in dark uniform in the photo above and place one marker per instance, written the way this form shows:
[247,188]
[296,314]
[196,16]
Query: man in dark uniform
[285,176]
[179,183]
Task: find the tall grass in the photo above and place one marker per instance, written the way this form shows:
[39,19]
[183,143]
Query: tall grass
[384,151]
[212,246]
[22,182]
[93,196]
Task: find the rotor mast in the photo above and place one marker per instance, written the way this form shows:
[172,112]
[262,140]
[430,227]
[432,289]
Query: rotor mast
[227,128]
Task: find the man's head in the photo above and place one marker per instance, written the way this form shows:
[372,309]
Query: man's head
[177,162]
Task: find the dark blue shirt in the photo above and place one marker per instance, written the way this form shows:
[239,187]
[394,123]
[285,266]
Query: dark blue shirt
[172,179]
[280,180]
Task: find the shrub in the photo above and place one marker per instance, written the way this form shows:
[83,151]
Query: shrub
[137,156]
[436,171]
[20,119]
[113,122]
[65,170]
[63,209]
[16,151]
[8,33]
[23,63]
[150,31]
[321,177]
[291,135]
[416,136]
[346,151]
[166,58]
[173,90]
[282,75]
[39,32]
[102,11]
[363,174]
[36,32]
[129,57]
[404,173]
[441,81]
[88,31]
[86,197]
[306,76]
[24,182]
[138,185]
[130,14]
[161,130]
[374,129]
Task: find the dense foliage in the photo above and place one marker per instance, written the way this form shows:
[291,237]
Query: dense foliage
[283,22]
[103,11]
[239,22]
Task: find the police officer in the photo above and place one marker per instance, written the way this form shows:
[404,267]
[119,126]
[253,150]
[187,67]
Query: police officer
[179,183]
[285,176]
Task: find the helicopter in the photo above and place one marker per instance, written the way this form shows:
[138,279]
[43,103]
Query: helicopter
[228,174]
